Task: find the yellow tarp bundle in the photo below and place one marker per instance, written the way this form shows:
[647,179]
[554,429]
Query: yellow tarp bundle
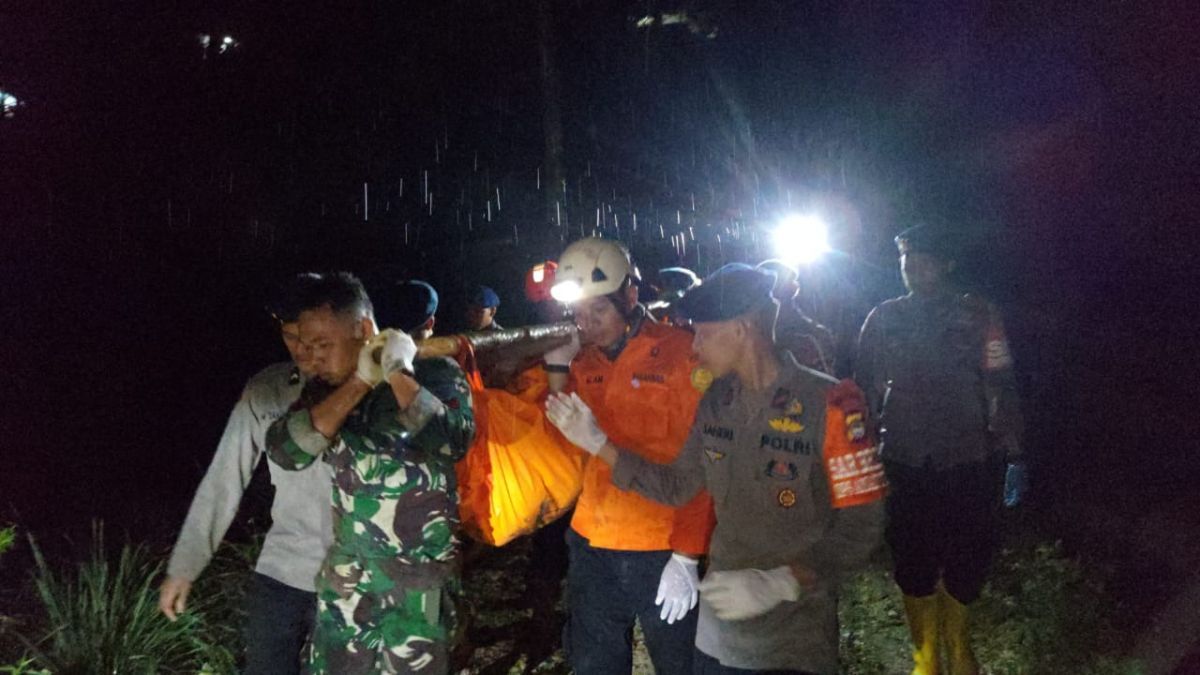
[520,473]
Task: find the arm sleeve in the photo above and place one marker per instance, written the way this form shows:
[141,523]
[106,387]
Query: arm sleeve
[216,500]
[673,484]
[1005,421]
[853,484]
[694,525]
[440,418]
[869,373]
[293,442]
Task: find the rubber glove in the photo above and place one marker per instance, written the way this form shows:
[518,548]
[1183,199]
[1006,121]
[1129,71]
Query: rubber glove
[397,353]
[369,370]
[678,588]
[576,421]
[743,594]
[1016,484]
[562,355]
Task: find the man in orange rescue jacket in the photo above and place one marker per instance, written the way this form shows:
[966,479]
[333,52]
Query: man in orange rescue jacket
[630,557]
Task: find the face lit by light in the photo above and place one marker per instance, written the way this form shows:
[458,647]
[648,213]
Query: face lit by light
[567,292]
[334,340]
[800,239]
[600,322]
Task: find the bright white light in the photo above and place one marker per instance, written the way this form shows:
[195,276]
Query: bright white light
[567,292]
[539,274]
[228,40]
[8,104]
[800,239]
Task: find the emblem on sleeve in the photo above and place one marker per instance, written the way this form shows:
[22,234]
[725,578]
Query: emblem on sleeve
[787,498]
[702,379]
[856,428]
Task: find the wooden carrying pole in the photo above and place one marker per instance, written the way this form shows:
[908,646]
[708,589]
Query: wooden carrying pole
[497,340]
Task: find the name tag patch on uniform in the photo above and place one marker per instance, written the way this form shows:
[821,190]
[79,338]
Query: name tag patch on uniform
[650,377]
[714,455]
[782,470]
[723,433]
[797,446]
[786,498]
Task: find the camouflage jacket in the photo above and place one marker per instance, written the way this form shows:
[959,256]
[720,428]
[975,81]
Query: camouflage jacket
[394,493]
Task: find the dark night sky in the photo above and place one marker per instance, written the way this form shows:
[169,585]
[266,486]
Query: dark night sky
[147,195]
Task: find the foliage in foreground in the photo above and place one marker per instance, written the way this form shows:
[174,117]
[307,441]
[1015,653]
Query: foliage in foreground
[1040,614]
[102,617]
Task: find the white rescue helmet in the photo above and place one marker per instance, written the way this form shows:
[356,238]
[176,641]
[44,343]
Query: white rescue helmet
[590,268]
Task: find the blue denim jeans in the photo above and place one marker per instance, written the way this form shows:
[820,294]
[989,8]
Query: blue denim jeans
[280,619]
[606,591]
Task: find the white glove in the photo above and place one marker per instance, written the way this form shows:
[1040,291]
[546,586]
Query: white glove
[743,594]
[576,421]
[563,354]
[369,370]
[398,352]
[678,588]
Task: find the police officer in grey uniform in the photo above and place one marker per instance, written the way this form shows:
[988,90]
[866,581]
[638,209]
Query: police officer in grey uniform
[794,476]
[935,365]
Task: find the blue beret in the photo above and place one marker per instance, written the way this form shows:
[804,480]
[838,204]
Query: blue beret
[485,297]
[728,293]
[406,305]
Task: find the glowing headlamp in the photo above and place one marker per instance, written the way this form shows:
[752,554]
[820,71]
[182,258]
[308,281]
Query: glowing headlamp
[567,292]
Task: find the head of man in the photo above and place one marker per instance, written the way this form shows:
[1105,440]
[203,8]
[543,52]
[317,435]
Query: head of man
[733,315]
[335,320]
[285,309]
[481,308]
[410,306]
[925,260]
[595,277]
[787,283]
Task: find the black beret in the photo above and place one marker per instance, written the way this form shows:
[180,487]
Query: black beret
[728,293]
[406,305]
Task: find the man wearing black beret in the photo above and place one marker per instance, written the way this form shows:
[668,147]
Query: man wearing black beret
[786,453]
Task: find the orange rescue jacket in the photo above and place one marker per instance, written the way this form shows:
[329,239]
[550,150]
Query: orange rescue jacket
[645,402]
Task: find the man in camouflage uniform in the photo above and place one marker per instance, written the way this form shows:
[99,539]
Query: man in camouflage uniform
[391,429]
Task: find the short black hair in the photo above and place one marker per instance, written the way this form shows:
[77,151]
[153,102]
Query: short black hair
[341,292]
[287,296]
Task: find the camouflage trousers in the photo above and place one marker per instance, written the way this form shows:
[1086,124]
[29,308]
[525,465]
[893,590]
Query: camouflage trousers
[380,616]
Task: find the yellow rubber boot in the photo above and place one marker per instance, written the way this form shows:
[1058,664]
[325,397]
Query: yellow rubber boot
[923,624]
[958,643]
